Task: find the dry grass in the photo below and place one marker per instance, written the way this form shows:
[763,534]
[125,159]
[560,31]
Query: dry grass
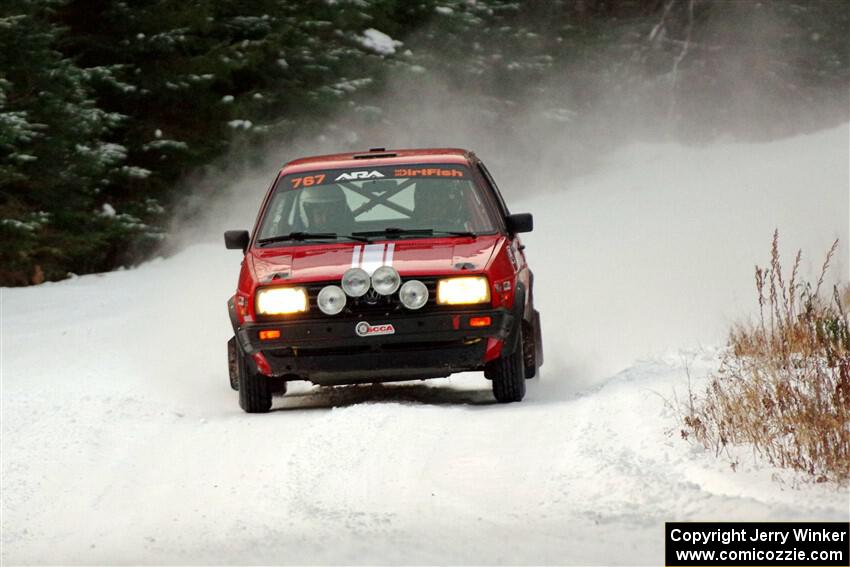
[783,385]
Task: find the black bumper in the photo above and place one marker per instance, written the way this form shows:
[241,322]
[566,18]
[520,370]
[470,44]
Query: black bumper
[329,350]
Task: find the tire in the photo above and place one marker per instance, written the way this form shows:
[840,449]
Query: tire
[529,364]
[255,394]
[508,376]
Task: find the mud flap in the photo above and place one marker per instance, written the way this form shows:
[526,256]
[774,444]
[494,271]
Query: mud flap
[231,312]
[538,339]
[533,348]
[232,363]
[512,340]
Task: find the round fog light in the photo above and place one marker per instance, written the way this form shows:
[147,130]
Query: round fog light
[413,294]
[386,280]
[331,299]
[355,282]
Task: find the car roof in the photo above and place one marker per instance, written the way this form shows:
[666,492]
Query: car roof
[379,157]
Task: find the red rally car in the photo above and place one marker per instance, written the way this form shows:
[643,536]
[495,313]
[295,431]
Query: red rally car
[382,266]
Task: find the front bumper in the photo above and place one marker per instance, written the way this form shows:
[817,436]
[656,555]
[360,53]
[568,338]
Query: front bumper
[329,350]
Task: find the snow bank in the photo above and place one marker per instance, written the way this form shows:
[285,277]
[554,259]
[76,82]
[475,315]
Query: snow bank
[658,248]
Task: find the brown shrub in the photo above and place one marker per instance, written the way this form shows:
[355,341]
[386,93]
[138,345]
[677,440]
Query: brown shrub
[783,385]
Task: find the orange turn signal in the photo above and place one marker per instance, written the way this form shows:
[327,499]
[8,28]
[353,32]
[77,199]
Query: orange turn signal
[480,321]
[269,334]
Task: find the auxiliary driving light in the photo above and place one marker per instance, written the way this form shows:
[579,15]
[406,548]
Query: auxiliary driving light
[331,299]
[281,300]
[463,291]
[413,294]
[386,280]
[355,282]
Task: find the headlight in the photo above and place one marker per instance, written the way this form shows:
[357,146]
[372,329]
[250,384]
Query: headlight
[281,300]
[463,291]
[331,299]
[413,294]
[355,282]
[386,280]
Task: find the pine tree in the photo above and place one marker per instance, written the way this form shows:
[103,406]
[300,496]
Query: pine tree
[54,157]
[112,113]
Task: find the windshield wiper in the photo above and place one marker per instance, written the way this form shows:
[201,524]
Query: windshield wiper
[301,236]
[457,233]
[394,231]
[355,236]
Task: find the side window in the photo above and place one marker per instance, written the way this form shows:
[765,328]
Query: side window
[277,222]
[501,202]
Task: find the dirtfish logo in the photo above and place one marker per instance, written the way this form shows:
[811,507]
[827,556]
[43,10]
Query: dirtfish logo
[351,176]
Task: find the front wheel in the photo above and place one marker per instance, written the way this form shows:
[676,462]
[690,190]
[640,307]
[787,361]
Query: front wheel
[508,375]
[255,395]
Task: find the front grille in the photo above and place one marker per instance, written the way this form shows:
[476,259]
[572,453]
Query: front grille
[371,305]
[380,305]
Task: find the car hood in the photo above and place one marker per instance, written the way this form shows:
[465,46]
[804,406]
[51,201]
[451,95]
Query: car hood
[411,257]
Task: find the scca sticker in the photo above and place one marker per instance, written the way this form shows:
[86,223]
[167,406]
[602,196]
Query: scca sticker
[364,329]
[354,175]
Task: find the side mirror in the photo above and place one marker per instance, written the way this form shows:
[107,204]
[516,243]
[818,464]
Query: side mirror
[237,240]
[520,222]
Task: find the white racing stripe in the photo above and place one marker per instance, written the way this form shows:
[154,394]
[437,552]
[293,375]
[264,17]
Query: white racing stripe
[388,254]
[355,256]
[372,256]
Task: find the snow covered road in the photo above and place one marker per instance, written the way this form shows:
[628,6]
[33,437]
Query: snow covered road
[122,442]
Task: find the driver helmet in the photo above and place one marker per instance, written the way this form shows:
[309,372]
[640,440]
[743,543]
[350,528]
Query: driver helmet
[325,207]
[439,201]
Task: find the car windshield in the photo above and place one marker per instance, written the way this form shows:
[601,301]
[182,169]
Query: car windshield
[410,201]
